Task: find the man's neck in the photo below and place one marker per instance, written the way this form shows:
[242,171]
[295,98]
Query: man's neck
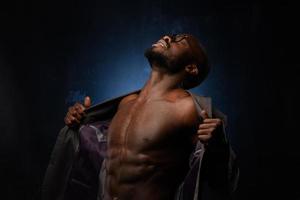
[160,83]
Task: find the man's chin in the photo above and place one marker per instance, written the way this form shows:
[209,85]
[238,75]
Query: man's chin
[154,56]
[154,52]
[148,51]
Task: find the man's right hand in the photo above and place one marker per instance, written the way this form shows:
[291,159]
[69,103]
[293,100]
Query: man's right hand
[76,112]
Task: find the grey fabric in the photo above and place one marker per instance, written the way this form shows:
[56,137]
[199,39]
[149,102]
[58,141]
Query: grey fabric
[102,180]
[60,165]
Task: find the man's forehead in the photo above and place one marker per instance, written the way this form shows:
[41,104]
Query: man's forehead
[184,36]
[177,35]
[180,34]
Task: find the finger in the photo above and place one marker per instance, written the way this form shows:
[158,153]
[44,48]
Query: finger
[70,112]
[204,114]
[205,131]
[73,112]
[79,108]
[70,117]
[207,125]
[74,120]
[87,102]
[204,138]
[73,117]
[66,120]
[71,109]
[77,116]
[214,120]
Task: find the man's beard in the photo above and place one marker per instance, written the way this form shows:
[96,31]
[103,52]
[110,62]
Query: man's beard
[172,66]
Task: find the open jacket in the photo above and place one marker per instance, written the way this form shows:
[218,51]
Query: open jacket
[76,170]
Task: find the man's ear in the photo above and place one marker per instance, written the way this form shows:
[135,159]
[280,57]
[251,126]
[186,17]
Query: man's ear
[192,69]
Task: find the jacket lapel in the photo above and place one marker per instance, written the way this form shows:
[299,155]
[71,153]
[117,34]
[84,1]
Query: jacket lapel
[202,103]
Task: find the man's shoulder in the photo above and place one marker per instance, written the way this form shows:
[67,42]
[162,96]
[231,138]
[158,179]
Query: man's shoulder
[111,102]
[185,106]
[128,98]
[185,102]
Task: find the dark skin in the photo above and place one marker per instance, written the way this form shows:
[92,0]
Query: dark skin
[153,133]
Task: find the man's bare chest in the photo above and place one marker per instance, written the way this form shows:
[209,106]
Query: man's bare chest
[145,126]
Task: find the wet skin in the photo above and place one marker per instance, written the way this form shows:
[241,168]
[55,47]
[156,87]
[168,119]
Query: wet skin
[149,144]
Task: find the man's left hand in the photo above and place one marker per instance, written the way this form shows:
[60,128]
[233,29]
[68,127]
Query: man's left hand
[208,127]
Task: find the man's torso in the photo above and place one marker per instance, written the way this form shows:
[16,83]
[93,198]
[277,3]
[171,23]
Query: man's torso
[149,143]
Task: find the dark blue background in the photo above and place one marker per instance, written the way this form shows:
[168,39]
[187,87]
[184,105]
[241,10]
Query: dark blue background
[53,53]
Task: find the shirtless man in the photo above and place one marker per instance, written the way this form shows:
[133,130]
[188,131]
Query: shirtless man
[153,133]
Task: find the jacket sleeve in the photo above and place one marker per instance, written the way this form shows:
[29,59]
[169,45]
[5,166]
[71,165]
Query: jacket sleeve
[60,165]
[213,173]
[219,168]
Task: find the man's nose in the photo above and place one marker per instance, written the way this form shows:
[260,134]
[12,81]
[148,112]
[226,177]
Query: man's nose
[167,38]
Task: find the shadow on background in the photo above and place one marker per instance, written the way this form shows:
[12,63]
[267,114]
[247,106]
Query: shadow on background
[53,53]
